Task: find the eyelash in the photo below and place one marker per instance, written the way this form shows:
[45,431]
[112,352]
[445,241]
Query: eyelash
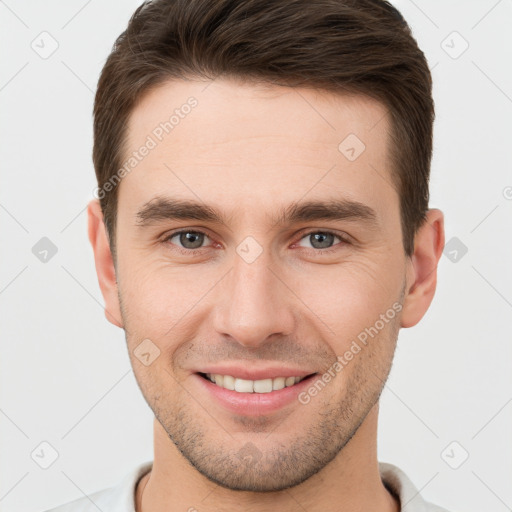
[188,252]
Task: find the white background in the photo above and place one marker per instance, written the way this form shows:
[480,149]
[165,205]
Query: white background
[65,374]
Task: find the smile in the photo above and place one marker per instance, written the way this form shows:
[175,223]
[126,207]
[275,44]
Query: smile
[252,386]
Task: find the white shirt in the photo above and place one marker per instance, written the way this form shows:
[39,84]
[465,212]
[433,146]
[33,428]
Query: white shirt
[121,498]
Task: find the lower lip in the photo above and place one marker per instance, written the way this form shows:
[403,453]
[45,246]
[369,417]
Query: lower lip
[254,404]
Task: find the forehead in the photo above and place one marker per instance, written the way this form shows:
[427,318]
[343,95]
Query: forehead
[226,110]
[250,146]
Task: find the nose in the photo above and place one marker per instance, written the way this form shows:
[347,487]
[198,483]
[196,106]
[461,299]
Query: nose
[253,304]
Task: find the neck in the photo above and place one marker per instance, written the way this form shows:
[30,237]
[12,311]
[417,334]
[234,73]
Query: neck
[351,480]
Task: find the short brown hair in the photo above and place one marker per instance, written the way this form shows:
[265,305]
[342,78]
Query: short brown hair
[358,46]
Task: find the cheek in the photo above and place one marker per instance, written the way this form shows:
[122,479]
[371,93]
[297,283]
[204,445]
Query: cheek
[346,296]
[351,297]
[156,297]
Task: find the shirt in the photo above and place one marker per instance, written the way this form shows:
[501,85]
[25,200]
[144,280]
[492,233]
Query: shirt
[121,498]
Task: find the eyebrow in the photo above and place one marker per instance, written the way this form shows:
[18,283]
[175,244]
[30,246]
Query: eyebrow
[166,208]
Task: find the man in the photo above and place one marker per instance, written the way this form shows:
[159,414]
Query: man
[262,233]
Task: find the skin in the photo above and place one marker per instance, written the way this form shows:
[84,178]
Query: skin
[248,151]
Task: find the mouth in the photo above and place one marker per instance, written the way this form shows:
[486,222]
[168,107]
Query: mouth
[253,386]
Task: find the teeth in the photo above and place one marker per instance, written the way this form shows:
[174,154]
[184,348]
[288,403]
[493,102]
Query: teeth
[244,386]
[225,381]
[262,386]
[278,383]
[252,386]
[290,381]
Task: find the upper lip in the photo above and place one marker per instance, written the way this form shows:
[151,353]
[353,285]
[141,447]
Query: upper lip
[242,372]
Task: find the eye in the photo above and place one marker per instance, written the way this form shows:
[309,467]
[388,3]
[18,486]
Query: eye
[187,239]
[322,240]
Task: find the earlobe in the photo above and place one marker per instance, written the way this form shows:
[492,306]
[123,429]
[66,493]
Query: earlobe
[104,263]
[422,271]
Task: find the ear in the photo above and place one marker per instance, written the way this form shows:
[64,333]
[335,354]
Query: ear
[422,268]
[104,262]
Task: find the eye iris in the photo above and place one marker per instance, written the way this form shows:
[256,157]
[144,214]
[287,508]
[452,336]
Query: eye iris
[196,239]
[325,239]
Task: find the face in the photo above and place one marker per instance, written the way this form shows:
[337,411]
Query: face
[290,260]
